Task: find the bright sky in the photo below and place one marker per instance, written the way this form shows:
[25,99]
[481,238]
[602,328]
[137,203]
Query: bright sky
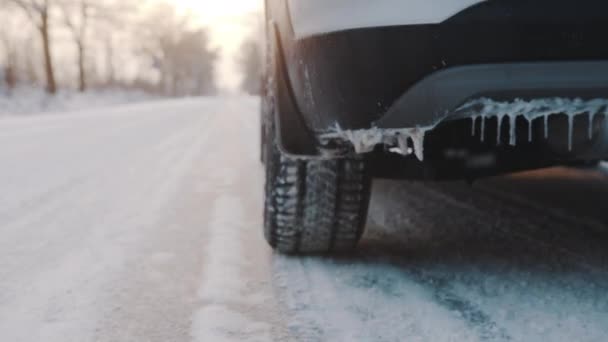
[229,21]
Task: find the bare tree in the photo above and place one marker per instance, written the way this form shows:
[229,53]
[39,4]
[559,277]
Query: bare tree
[109,59]
[10,59]
[76,17]
[251,66]
[159,45]
[251,58]
[30,68]
[113,22]
[38,12]
[193,64]
[83,16]
[158,32]
[180,54]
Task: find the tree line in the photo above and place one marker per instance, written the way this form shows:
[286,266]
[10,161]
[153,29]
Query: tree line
[129,43]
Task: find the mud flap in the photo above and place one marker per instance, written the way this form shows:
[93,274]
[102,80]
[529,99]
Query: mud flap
[294,138]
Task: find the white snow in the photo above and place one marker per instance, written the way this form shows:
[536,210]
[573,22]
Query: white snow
[364,140]
[143,222]
[219,323]
[451,265]
[355,301]
[232,304]
[107,215]
[30,100]
[223,283]
[81,196]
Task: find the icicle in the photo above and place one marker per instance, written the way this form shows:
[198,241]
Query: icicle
[498,129]
[512,130]
[365,140]
[473,124]
[570,131]
[403,144]
[590,132]
[417,135]
[483,128]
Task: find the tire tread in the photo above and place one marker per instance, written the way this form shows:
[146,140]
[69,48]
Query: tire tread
[315,207]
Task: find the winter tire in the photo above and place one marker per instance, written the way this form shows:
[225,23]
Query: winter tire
[314,206]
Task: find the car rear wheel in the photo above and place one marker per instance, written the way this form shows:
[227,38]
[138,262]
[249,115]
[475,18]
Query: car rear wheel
[311,206]
[314,206]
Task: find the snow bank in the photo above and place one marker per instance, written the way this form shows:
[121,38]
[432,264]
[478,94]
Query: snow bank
[29,100]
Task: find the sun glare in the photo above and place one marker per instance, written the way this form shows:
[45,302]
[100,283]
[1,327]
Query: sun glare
[229,22]
[214,11]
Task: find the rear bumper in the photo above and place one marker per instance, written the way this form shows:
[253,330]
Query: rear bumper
[357,78]
[442,95]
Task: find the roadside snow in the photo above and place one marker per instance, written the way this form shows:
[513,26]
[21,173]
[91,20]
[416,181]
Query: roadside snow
[113,219]
[29,100]
[223,281]
[235,297]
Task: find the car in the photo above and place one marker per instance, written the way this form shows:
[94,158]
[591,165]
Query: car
[420,90]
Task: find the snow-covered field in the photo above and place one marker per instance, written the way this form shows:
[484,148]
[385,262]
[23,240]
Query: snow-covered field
[28,100]
[142,222]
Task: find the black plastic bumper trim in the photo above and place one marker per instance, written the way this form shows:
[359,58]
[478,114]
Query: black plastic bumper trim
[439,95]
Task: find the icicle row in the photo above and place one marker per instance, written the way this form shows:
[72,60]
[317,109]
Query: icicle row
[531,110]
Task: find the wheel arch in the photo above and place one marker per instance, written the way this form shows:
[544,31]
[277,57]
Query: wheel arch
[294,137]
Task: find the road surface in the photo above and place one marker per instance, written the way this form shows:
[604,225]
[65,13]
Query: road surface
[143,223]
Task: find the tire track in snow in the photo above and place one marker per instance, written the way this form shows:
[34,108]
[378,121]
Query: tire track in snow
[443,294]
[539,225]
[503,270]
[86,237]
[43,204]
[496,192]
[163,254]
[441,285]
[218,319]
[235,295]
[342,300]
[407,290]
[489,254]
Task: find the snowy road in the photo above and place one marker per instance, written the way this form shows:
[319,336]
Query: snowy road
[143,223]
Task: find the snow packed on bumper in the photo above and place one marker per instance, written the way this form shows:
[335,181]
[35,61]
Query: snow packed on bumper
[397,139]
[365,140]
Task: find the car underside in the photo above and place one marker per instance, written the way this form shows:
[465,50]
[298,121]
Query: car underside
[435,90]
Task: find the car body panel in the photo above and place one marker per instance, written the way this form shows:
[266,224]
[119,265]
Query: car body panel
[363,77]
[353,78]
[314,17]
